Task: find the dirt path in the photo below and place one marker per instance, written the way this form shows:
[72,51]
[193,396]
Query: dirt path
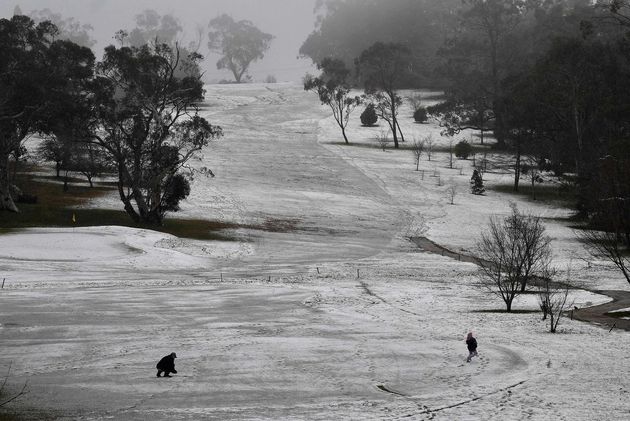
[597,314]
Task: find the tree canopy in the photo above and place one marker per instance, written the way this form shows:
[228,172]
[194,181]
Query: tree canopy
[383,69]
[34,71]
[150,126]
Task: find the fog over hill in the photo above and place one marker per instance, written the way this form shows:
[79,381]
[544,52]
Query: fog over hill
[290,21]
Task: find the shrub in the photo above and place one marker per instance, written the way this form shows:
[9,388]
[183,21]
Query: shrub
[476,183]
[463,150]
[420,115]
[177,190]
[368,116]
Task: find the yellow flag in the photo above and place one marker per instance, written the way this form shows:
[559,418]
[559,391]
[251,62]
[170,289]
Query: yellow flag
[74,218]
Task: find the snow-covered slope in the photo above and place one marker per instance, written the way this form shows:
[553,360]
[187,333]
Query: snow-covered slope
[338,316]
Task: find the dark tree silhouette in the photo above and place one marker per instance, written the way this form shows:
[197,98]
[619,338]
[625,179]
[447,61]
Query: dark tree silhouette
[150,126]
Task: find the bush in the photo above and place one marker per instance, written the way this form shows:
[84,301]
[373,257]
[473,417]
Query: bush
[368,116]
[463,150]
[420,115]
[175,191]
[476,183]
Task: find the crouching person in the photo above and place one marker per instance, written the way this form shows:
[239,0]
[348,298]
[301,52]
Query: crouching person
[166,365]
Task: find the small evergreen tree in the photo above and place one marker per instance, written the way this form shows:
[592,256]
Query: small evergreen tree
[368,116]
[420,115]
[463,149]
[476,183]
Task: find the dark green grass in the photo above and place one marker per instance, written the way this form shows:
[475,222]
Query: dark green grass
[559,194]
[619,314]
[56,208]
[502,310]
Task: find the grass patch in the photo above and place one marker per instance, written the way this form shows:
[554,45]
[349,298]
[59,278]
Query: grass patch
[561,195]
[619,314]
[502,310]
[55,208]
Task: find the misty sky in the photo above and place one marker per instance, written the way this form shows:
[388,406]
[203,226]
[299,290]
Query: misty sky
[290,21]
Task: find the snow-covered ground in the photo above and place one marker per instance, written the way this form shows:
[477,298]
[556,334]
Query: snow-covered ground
[340,317]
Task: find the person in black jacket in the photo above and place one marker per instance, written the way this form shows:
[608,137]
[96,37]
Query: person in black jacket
[166,365]
[471,343]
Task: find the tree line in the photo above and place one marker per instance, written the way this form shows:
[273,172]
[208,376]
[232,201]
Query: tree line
[134,114]
[548,79]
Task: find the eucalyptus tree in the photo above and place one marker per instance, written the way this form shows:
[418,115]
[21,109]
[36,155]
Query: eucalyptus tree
[239,43]
[333,89]
[35,72]
[150,126]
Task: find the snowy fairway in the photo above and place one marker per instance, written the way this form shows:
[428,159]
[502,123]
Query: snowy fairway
[292,332]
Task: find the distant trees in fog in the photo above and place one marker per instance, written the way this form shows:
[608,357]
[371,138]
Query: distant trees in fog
[239,43]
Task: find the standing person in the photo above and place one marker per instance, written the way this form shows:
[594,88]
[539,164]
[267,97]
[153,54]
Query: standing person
[471,343]
[166,365]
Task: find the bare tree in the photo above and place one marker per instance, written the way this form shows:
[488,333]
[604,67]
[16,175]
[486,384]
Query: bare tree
[428,142]
[553,299]
[531,169]
[608,245]
[511,252]
[333,89]
[383,139]
[452,192]
[417,148]
[415,100]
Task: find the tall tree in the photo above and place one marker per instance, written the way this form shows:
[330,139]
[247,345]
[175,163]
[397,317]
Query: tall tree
[25,83]
[511,252]
[239,43]
[150,126]
[480,56]
[69,116]
[333,89]
[383,69]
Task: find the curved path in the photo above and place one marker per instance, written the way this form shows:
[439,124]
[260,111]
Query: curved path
[597,314]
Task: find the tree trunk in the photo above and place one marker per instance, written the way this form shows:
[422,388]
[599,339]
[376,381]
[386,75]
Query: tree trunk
[343,132]
[123,197]
[6,201]
[533,184]
[394,123]
[499,128]
[65,181]
[517,165]
[578,135]
[402,137]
